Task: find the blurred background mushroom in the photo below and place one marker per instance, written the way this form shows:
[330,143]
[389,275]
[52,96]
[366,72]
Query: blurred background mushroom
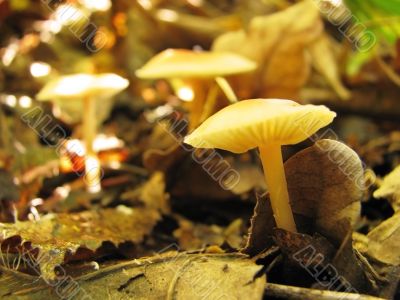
[175,64]
[89,90]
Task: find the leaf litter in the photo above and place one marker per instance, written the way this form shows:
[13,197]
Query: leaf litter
[175,202]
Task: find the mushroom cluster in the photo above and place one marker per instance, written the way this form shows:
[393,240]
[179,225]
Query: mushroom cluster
[266,124]
[186,64]
[86,88]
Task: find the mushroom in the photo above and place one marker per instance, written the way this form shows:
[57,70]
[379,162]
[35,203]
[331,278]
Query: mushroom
[87,88]
[186,64]
[267,124]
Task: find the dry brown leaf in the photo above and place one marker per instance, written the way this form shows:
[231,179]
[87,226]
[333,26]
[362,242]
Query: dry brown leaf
[354,268]
[57,235]
[194,182]
[325,184]
[151,193]
[251,178]
[384,241]
[163,160]
[390,188]
[161,137]
[277,43]
[324,61]
[261,228]
[382,246]
[167,276]
[293,243]
[324,199]
[206,176]
[193,236]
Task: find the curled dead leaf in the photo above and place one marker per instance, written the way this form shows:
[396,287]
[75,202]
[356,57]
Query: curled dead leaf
[325,183]
[277,42]
[324,62]
[390,188]
[261,228]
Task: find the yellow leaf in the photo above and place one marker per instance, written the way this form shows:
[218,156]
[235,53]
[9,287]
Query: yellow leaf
[277,43]
[390,188]
[325,63]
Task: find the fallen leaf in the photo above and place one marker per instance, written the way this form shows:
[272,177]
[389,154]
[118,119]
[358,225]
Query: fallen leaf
[325,183]
[167,276]
[390,188]
[384,241]
[292,244]
[251,178]
[56,235]
[323,262]
[324,195]
[261,228]
[161,137]
[353,268]
[324,61]
[194,180]
[277,43]
[163,160]
[192,236]
[196,24]
[151,193]
[381,247]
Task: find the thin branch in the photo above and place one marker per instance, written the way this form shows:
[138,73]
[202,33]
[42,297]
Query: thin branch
[294,292]
[390,73]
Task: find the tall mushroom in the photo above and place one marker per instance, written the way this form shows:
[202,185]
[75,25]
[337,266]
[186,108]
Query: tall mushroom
[86,88]
[266,124]
[186,64]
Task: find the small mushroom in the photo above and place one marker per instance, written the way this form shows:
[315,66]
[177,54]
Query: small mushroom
[186,64]
[87,88]
[267,124]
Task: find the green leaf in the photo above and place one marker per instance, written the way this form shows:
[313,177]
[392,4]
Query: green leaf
[381,17]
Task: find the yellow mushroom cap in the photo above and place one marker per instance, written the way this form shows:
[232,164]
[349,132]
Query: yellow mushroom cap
[257,122]
[182,63]
[83,85]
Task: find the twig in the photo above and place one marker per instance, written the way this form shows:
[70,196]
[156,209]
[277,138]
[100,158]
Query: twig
[294,292]
[390,73]
[42,170]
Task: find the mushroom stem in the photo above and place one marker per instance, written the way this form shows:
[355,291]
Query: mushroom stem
[89,123]
[92,165]
[271,158]
[210,103]
[227,89]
